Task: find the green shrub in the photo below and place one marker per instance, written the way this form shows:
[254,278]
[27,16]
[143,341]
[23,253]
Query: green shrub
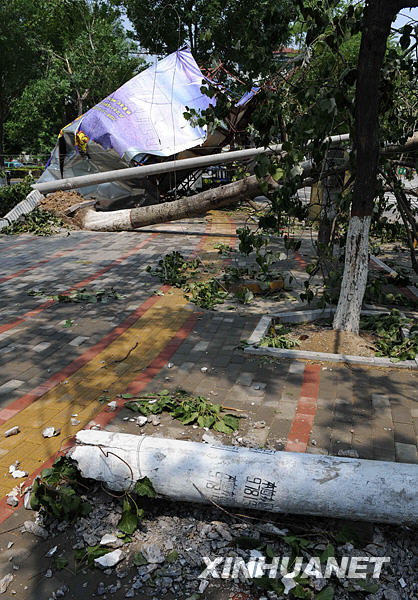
[10,195]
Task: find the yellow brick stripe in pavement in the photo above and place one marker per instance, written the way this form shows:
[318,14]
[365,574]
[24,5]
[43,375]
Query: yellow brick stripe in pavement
[80,393]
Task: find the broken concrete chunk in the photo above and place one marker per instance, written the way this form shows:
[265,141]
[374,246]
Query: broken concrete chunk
[5,582]
[288,583]
[109,539]
[12,500]
[16,472]
[140,421]
[208,438]
[49,432]
[109,560]
[203,585]
[12,431]
[35,529]
[26,500]
[60,592]
[51,551]
[154,420]
[152,553]
[112,405]
[350,453]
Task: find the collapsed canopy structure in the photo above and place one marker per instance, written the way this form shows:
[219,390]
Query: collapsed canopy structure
[142,119]
[140,123]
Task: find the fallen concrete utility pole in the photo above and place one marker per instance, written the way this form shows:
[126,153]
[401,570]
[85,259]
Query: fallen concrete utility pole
[165,167]
[282,482]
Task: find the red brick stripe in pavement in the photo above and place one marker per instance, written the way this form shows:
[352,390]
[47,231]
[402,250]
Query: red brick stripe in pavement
[17,244]
[305,412]
[105,416]
[136,386]
[44,261]
[86,281]
[20,403]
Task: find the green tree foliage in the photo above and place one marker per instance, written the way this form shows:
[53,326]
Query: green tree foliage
[82,55]
[19,56]
[241,33]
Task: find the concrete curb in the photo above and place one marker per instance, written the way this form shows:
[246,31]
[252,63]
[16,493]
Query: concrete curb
[27,205]
[311,315]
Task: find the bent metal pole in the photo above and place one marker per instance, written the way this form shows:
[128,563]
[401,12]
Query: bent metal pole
[165,167]
[282,482]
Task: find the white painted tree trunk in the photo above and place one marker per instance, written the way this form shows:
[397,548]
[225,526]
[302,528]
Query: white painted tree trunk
[347,315]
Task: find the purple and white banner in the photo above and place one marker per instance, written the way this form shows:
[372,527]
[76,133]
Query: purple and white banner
[145,115]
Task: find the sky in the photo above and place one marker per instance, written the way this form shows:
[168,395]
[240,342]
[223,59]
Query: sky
[405,15]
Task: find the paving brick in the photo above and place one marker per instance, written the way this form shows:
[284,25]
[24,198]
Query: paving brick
[405,433]
[365,449]
[200,347]
[245,379]
[401,414]
[41,346]
[297,367]
[78,340]
[380,401]
[387,454]
[10,385]
[406,453]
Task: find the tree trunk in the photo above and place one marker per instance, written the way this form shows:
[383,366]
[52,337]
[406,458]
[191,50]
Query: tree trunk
[331,189]
[378,16]
[123,220]
[353,286]
[1,144]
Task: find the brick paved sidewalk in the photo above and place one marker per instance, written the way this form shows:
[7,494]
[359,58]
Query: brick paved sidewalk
[49,373]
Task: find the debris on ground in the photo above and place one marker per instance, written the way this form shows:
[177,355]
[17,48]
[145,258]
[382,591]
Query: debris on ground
[16,472]
[12,431]
[49,432]
[165,554]
[5,582]
[82,295]
[58,204]
[186,408]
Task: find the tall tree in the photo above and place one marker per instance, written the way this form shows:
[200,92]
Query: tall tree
[19,56]
[243,34]
[83,55]
[377,20]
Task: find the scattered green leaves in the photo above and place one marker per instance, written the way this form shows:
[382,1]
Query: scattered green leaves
[278,338]
[205,294]
[187,409]
[131,512]
[173,269]
[57,491]
[39,222]
[89,554]
[139,559]
[224,249]
[59,562]
[83,295]
[390,341]
[131,515]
